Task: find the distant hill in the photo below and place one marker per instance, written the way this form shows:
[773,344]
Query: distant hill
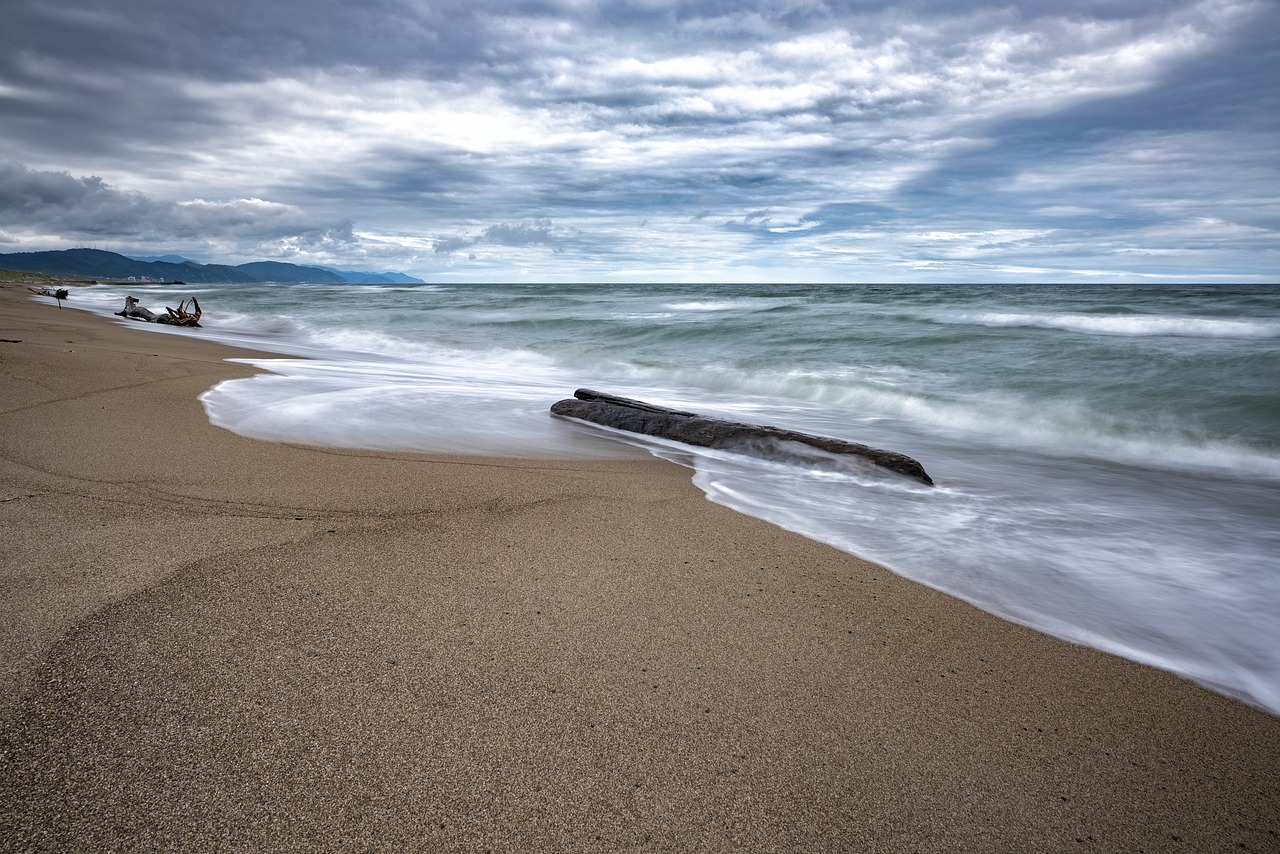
[171,259]
[387,277]
[275,271]
[99,264]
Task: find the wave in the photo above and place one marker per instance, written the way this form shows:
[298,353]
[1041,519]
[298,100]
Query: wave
[840,402]
[461,408]
[740,304]
[850,400]
[1132,325]
[361,289]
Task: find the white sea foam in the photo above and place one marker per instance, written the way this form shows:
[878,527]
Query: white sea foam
[1137,325]
[1077,583]
[394,406]
[737,304]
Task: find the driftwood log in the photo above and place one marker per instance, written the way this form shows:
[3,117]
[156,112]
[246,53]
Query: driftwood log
[60,293]
[636,416]
[186,314]
[137,312]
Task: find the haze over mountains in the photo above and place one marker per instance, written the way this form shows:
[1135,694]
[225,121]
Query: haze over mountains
[100,264]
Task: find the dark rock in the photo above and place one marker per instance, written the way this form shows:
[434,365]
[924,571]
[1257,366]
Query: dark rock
[636,416]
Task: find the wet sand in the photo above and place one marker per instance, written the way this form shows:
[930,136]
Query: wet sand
[209,642]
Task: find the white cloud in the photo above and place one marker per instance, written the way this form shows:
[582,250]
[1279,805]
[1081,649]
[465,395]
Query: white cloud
[957,122]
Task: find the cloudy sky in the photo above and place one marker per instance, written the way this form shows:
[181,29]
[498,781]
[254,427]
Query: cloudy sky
[643,140]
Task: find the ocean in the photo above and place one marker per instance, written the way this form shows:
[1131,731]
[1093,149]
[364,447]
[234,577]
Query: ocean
[1107,457]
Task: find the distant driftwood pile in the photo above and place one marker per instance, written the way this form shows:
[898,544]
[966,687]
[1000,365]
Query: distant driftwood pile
[636,416]
[186,314]
[60,294]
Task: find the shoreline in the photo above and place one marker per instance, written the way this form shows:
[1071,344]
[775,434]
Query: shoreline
[223,641]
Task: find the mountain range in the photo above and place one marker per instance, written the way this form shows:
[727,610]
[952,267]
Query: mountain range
[99,264]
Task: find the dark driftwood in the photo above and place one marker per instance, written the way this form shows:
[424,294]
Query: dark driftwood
[636,416]
[60,293]
[137,312]
[186,314]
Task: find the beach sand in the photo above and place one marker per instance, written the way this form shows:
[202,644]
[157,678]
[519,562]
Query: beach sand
[209,642]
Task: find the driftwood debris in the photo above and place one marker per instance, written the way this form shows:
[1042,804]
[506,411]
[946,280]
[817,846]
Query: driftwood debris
[60,294]
[183,315]
[186,314]
[132,309]
[636,416]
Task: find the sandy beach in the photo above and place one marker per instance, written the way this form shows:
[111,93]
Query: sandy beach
[209,642]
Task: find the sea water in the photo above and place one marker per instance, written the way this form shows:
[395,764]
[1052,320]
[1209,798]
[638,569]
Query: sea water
[1107,458]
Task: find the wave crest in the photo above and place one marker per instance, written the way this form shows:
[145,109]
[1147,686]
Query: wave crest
[1134,325]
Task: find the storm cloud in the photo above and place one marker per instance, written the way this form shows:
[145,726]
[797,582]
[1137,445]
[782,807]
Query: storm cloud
[789,140]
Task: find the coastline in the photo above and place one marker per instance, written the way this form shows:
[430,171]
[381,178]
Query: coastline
[221,641]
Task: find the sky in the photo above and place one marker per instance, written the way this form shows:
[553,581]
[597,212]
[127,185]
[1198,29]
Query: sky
[639,140]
